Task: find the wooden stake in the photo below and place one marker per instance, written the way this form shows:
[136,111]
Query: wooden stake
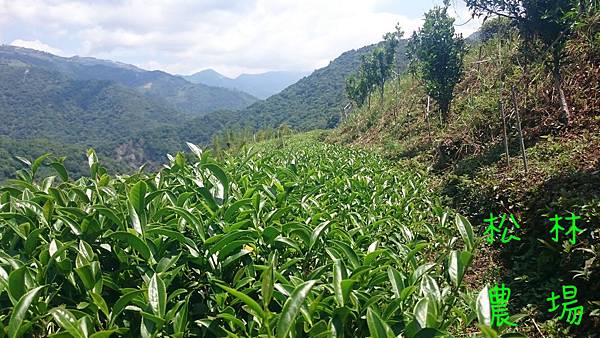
[505,132]
[500,90]
[427,119]
[479,60]
[514,99]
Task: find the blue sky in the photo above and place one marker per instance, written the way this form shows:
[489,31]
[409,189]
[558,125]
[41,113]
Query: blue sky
[185,36]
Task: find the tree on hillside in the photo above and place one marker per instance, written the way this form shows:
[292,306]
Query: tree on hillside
[368,74]
[356,89]
[498,27]
[436,54]
[398,53]
[352,90]
[545,25]
[384,59]
[375,70]
[380,70]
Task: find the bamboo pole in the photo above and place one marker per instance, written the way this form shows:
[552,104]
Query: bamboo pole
[523,153]
[501,105]
[427,119]
[504,129]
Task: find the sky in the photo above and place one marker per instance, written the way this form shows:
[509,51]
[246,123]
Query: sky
[230,36]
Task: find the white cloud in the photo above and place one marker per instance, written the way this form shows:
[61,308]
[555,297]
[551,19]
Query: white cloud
[36,44]
[182,36]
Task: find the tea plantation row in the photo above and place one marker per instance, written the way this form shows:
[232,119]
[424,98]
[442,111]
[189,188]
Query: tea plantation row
[305,239]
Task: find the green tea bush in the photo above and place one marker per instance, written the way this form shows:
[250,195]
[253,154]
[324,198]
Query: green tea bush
[308,240]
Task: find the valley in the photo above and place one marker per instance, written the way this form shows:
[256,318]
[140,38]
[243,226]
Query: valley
[113,108]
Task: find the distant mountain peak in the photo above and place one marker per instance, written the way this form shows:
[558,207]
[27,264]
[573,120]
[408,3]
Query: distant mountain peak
[211,72]
[260,85]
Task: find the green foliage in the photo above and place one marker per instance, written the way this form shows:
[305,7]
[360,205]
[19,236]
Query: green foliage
[305,240]
[498,27]
[232,141]
[357,88]
[314,102]
[375,69]
[545,27]
[467,157]
[45,111]
[383,57]
[550,21]
[437,55]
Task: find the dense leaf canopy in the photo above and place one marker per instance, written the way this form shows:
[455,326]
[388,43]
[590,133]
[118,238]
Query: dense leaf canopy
[307,239]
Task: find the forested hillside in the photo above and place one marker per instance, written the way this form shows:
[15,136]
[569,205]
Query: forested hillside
[44,111]
[315,101]
[196,99]
[132,117]
[66,105]
[39,103]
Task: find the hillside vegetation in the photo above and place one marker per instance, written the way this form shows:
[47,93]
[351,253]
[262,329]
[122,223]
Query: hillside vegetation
[45,111]
[314,102]
[40,104]
[480,173]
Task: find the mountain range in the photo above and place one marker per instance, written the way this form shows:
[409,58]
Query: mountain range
[259,85]
[314,102]
[173,91]
[131,116]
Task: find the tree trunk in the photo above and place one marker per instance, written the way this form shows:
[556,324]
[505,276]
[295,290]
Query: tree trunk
[505,132]
[398,82]
[444,111]
[523,153]
[566,113]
